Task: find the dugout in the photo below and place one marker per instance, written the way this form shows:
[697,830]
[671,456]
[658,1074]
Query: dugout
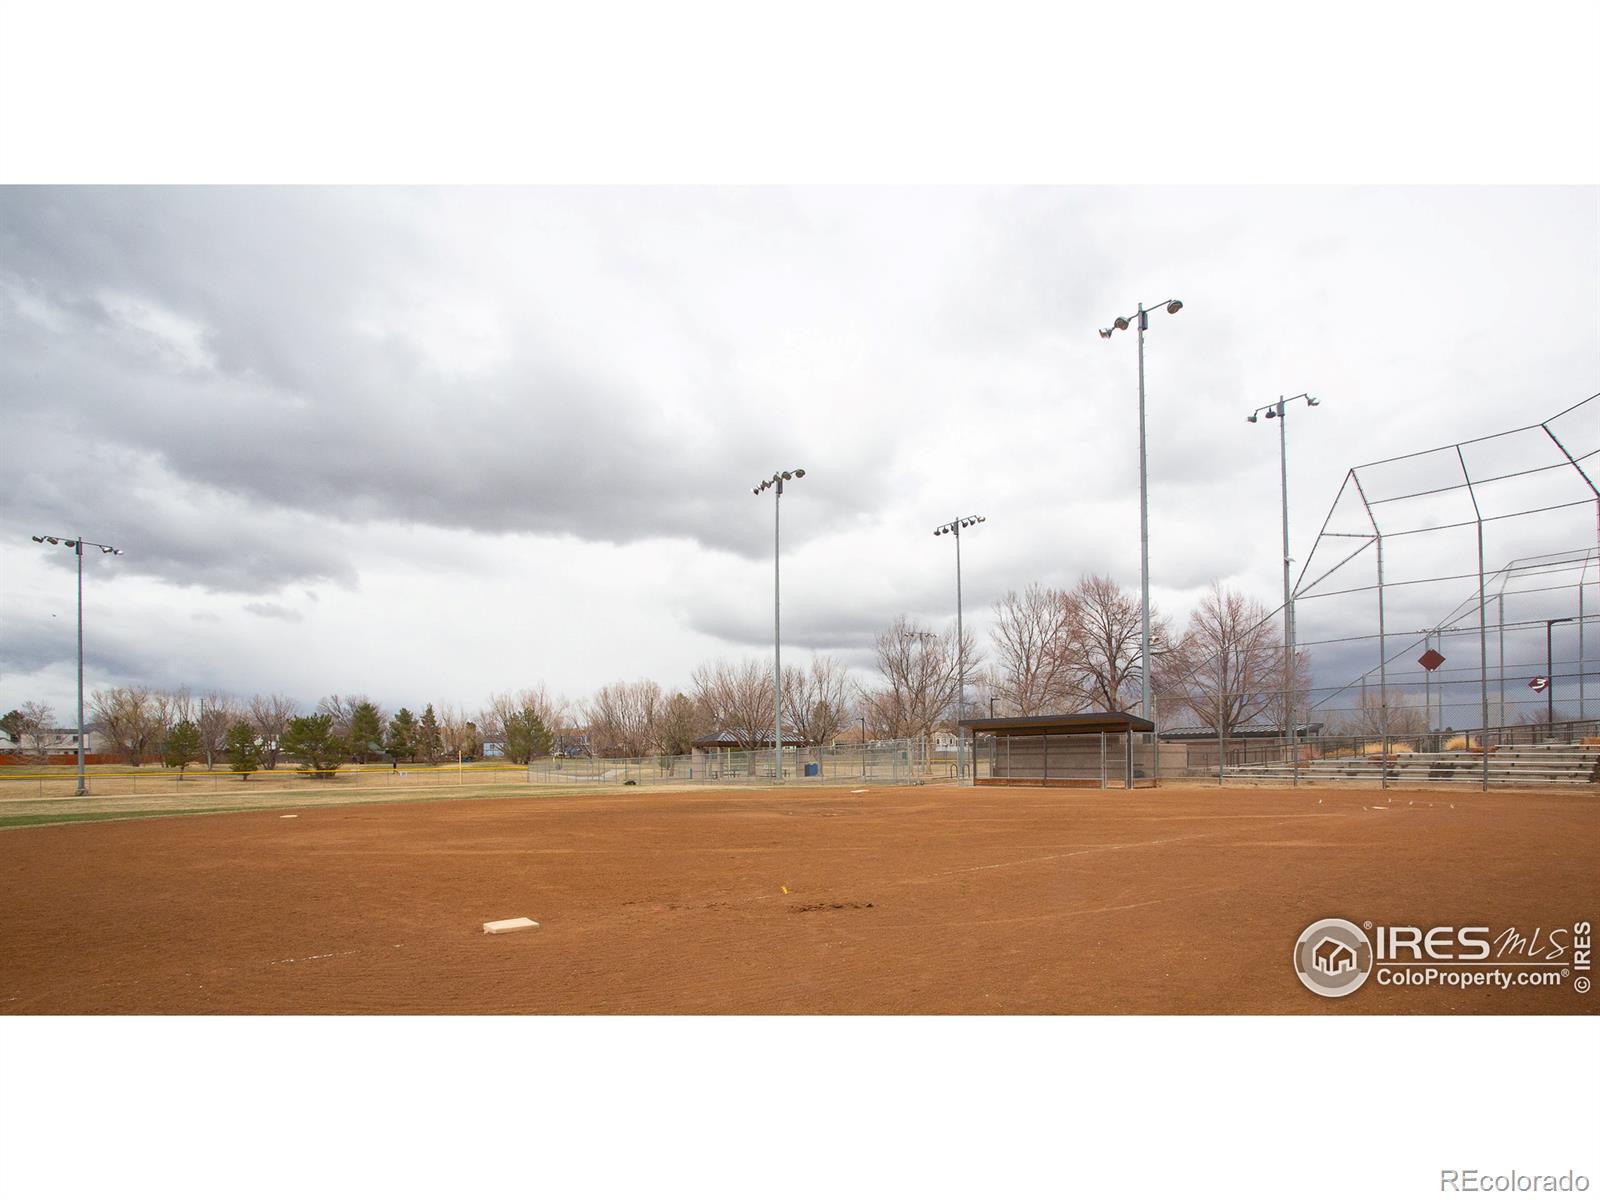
[1088,749]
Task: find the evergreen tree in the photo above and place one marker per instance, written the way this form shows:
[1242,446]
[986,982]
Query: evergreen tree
[430,742]
[312,742]
[366,732]
[183,746]
[402,740]
[244,756]
[526,736]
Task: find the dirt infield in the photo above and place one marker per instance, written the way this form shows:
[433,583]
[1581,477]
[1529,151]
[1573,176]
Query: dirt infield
[911,900]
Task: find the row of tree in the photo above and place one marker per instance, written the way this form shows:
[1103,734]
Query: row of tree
[1065,650]
[1052,650]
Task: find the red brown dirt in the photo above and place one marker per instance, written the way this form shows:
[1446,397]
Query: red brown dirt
[910,900]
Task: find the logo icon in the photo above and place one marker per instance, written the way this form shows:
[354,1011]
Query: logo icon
[1333,957]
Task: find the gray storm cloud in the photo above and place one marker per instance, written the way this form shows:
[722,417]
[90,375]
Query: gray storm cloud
[274,353]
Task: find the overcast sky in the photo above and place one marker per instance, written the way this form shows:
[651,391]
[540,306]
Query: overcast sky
[431,444]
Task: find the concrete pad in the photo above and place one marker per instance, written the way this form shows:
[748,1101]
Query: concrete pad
[510,925]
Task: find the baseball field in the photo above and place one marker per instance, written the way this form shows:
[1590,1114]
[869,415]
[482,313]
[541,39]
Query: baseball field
[927,899]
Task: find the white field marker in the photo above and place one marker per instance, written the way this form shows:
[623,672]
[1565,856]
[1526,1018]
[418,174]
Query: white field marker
[510,925]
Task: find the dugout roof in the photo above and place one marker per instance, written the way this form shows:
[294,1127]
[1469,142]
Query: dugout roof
[1082,722]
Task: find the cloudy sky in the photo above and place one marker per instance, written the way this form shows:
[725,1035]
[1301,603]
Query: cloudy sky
[430,444]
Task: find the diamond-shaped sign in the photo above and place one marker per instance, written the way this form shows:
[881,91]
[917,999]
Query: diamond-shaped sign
[1431,661]
[1538,683]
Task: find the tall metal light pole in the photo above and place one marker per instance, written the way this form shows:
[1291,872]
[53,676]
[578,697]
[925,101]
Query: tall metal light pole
[1550,673]
[1280,411]
[76,545]
[1157,648]
[1142,315]
[955,527]
[776,483]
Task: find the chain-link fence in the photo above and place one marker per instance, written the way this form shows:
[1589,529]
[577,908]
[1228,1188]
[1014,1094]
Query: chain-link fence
[1454,587]
[910,760]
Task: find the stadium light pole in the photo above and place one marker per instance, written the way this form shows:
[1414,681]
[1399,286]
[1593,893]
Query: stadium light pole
[955,527]
[76,545]
[1280,412]
[776,483]
[1158,647]
[1550,673]
[1142,316]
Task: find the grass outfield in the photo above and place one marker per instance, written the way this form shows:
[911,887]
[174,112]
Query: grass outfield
[120,794]
[888,900]
[221,787]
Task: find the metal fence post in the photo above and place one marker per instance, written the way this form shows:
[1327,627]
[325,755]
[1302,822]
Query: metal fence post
[1102,760]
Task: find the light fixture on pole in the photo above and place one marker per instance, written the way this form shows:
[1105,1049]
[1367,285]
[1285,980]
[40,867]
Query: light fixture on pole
[776,483]
[1142,316]
[1280,412]
[76,545]
[955,527]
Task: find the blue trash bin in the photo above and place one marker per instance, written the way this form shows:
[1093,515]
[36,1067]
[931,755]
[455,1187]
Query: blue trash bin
[813,769]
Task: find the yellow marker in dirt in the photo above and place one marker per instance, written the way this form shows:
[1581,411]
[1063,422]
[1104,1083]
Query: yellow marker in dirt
[785,890]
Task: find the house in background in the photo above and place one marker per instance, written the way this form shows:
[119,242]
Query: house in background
[58,743]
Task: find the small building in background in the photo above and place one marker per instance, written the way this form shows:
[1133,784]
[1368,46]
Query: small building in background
[1091,749]
[58,744]
[717,755]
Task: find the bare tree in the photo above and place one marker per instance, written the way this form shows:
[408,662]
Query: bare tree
[458,735]
[503,706]
[1230,661]
[341,710]
[1106,643]
[682,721]
[488,726]
[917,686]
[625,719]
[162,705]
[36,729]
[131,720]
[737,698]
[1034,641]
[215,714]
[174,707]
[816,700]
[270,716]
[1405,718]
[1302,694]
